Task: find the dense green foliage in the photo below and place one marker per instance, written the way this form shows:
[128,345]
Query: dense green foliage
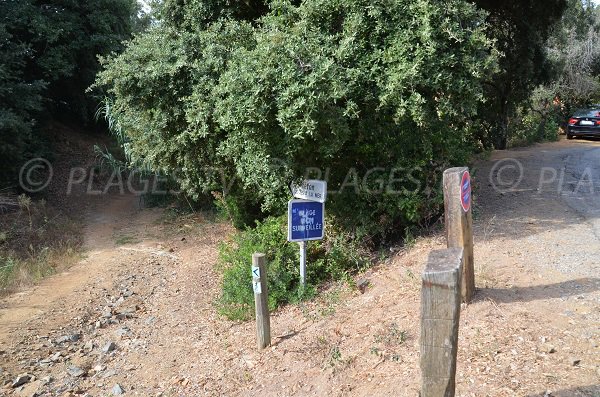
[331,259]
[520,29]
[48,54]
[20,99]
[341,85]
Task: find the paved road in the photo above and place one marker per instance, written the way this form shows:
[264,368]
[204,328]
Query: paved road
[547,199]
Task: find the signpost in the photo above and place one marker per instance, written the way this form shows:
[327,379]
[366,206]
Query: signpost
[306,217]
[458,202]
[311,189]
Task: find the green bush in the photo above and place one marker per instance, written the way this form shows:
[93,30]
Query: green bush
[343,85]
[331,259]
[538,119]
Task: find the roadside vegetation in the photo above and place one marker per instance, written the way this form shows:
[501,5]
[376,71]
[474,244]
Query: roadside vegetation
[35,241]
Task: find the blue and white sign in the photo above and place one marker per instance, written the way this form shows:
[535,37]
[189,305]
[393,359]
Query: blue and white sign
[306,220]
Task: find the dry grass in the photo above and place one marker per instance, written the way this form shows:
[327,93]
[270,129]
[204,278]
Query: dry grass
[35,241]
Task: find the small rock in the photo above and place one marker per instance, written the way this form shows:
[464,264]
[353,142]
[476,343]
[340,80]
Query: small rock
[117,390]
[362,285]
[108,374]
[99,368]
[89,345]
[127,293]
[575,361]
[47,379]
[546,348]
[75,372]
[108,347]
[20,380]
[55,357]
[122,332]
[68,338]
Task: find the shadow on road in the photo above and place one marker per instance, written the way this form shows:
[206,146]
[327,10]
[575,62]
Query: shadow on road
[539,292]
[527,191]
[583,391]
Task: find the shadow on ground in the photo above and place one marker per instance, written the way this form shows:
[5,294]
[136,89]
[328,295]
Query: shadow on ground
[584,391]
[523,192]
[540,292]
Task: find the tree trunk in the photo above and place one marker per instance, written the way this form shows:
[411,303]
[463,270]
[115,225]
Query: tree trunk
[500,138]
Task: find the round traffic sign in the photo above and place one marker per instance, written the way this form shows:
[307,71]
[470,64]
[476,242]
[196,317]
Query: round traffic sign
[465,191]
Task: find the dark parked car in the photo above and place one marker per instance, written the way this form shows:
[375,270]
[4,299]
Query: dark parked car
[585,122]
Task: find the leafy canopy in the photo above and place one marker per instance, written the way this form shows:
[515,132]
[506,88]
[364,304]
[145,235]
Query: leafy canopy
[218,95]
[48,58]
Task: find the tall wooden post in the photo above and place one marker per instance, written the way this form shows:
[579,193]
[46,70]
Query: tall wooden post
[459,222]
[261,300]
[440,315]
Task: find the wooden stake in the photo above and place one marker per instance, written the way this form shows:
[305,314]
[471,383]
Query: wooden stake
[440,315]
[459,226]
[261,300]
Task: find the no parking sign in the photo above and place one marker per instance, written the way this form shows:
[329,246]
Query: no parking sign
[465,191]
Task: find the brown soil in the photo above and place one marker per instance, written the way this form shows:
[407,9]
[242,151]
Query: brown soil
[533,329]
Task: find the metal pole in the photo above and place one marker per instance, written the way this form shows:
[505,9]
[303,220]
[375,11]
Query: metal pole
[302,263]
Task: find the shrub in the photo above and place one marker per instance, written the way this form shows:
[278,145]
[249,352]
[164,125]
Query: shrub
[331,259]
[343,85]
[538,119]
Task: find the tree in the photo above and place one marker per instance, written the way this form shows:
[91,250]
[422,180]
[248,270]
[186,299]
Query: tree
[520,29]
[346,85]
[20,98]
[573,49]
[49,58]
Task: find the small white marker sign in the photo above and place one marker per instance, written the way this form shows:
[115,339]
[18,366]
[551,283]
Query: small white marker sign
[256,287]
[310,189]
[255,271]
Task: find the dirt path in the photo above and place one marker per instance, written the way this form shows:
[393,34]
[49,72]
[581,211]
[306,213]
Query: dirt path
[101,224]
[533,330]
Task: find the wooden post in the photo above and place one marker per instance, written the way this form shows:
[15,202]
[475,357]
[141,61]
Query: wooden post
[459,223]
[261,300]
[440,315]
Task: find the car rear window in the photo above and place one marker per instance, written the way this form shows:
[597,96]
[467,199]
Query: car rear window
[587,113]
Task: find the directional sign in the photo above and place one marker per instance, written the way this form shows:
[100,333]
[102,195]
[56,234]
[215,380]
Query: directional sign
[306,220]
[255,271]
[465,191]
[311,189]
